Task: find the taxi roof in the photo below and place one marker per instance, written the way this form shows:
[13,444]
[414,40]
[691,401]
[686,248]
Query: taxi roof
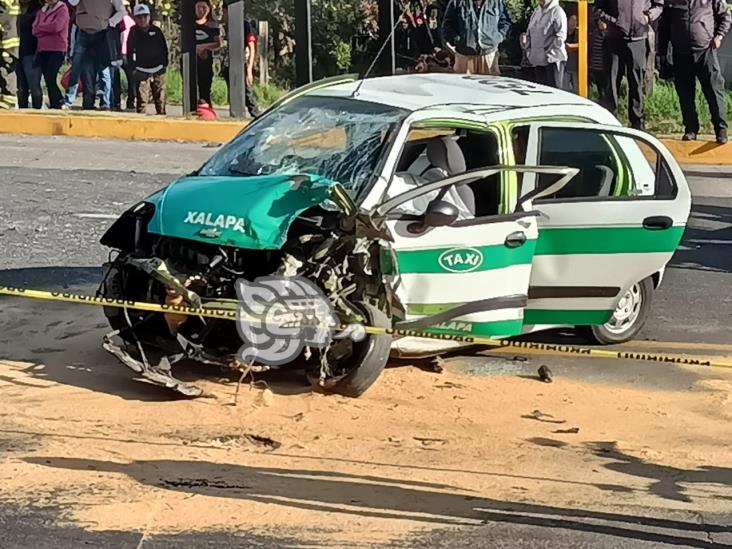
[467,93]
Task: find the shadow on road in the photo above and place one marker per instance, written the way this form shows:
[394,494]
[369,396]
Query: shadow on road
[389,498]
[708,248]
[48,278]
[61,343]
[668,481]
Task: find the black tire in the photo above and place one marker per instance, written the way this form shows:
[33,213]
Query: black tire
[604,334]
[131,285]
[371,356]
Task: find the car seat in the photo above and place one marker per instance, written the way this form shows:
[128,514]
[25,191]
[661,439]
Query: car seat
[447,159]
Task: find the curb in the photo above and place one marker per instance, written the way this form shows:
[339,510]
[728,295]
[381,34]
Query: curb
[699,152]
[130,127]
[147,128]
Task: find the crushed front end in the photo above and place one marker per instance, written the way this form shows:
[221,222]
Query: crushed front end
[184,246]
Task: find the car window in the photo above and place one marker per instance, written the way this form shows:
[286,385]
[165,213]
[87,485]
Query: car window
[598,157]
[470,150]
[336,138]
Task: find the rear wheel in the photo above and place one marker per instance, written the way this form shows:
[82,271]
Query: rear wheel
[629,316]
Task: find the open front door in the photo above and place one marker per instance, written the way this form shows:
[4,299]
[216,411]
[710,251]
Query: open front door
[455,273]
[615,225]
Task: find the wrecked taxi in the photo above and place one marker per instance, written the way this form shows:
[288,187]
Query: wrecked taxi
[457,205]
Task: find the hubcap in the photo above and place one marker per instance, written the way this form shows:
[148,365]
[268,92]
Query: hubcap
[627,312]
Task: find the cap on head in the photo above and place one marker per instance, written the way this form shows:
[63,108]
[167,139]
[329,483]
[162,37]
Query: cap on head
[141,9]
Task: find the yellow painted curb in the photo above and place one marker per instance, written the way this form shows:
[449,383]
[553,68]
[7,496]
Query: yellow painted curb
[131,128]
[140,127]
[699,152]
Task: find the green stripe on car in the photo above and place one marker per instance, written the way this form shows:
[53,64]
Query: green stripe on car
[491,329]
[607,240]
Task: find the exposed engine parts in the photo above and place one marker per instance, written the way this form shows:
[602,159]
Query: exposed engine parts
[341,254]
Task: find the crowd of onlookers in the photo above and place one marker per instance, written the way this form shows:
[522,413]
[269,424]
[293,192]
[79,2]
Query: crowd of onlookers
[104,39]
[623,38]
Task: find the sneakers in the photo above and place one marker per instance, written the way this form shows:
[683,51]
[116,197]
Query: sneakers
[722,137]
[689,136]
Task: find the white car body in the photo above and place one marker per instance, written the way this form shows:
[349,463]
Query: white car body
[549,256]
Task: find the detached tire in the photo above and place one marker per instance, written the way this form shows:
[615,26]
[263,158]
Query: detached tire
[370,358]
[628,318]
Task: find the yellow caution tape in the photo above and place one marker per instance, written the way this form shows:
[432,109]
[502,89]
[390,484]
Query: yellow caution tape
[227,314]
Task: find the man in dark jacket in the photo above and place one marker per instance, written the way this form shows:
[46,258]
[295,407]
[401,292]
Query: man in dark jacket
[625,49]
[695,29]
[473,30]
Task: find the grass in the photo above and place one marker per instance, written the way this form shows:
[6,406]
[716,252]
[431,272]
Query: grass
[266,95]
[663,115]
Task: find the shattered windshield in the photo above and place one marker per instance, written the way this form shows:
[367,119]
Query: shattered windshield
[340,139]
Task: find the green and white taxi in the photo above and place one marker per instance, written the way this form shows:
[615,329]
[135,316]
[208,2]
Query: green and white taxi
[459,205]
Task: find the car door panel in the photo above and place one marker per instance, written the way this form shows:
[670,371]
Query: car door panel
[452,266]
[472,276]
[469,278]
[602,242]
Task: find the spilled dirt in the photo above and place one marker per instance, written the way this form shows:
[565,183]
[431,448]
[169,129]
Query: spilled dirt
[420,451]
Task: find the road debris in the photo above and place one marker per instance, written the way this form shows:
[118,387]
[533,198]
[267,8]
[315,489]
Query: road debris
[545,374]
[541,416]
[571,431]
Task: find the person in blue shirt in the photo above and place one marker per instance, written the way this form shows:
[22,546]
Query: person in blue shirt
[472,30]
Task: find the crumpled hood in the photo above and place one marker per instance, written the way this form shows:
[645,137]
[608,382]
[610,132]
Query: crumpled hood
[244,212]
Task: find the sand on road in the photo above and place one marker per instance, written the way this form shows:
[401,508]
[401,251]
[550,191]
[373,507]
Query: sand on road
[419,451]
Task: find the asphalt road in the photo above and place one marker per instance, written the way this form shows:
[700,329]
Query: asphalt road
[60,194]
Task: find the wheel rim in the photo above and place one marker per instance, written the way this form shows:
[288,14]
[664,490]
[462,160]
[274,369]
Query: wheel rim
[627,312]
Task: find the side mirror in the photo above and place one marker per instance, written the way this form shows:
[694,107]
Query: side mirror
[440,214]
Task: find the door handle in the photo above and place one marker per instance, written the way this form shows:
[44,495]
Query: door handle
[515,240]
[657,223]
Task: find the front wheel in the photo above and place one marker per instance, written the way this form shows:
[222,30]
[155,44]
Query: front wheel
[363,363]
[629,316]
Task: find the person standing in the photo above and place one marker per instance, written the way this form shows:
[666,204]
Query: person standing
[545,40]
[695,29]
[9,44]
[51,28]
[571,72]
[250,56]
[125,27]
[598,72]
[208,41]
[625,50]
[472,30]
[28,72]
[147,57]
[91,50]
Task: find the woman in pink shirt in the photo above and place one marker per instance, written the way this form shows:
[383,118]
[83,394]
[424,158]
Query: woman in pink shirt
[51,27]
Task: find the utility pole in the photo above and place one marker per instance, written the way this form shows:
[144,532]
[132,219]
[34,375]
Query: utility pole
[303,43]
[236,42]
[387,60]
[583,35]
[188,55]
